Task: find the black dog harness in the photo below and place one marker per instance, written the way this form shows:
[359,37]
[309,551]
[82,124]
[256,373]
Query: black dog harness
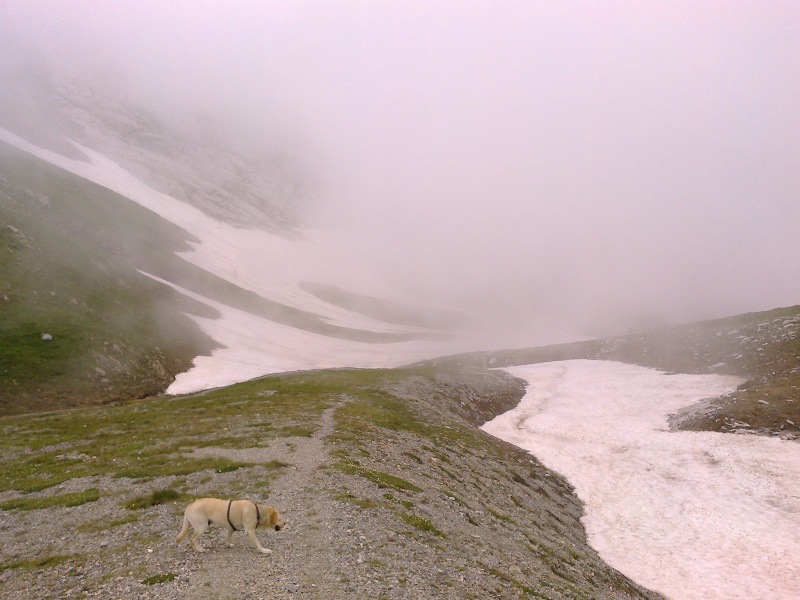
[258,516]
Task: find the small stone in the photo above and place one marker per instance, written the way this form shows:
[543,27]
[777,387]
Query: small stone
[293,589]
[47,337]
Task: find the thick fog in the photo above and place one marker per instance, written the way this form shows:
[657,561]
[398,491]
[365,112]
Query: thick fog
[609,163]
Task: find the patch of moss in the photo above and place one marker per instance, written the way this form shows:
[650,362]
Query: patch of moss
[407,503]
[379,409]
[156,579]
[155,498]
[500,516]
[360,502]
[40,563]
[507,578]
[422,524]
[382,479]
[71,499]
[103,525]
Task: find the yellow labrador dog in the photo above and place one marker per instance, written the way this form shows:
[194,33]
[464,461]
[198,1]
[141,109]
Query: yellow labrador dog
[233,515]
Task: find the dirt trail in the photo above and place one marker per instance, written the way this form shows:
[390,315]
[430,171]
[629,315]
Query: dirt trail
[303,559]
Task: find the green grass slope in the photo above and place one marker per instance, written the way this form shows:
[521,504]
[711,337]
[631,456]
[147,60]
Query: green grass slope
[69,253]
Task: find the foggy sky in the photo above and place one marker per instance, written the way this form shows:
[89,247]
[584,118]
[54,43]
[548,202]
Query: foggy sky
[616,159]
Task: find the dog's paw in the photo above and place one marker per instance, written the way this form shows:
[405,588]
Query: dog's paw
[265,551]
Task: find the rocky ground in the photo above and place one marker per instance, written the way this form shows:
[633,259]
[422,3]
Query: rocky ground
[392,493]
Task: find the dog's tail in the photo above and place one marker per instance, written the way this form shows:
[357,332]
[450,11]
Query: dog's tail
[184,529]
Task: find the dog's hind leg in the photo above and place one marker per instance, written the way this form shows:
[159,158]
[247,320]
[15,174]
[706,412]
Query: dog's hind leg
[199,529]
[184,529]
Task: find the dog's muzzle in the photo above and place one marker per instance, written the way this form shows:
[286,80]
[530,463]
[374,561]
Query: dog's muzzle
[277,527]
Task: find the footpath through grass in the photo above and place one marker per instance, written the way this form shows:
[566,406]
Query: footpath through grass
[154,437]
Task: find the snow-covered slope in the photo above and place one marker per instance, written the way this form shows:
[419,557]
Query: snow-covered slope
[273,267]
[242,210]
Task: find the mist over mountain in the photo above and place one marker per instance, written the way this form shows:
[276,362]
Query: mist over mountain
[292,247]
[193,159]
[588,169]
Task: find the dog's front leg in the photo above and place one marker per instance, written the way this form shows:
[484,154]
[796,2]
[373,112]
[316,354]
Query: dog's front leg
[251,535]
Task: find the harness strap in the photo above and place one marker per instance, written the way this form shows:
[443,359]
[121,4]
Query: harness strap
[229,516]
[258,515]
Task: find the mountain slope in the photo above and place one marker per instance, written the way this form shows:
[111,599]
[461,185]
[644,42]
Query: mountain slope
[69,253]
[115,282]
[388,487]
[147,264]
[762,347]
[262,296]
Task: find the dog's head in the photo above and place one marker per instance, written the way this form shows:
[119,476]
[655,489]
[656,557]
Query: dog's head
[272,518]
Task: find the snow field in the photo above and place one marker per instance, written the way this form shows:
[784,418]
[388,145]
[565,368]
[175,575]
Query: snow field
[256,346]
[693,515]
